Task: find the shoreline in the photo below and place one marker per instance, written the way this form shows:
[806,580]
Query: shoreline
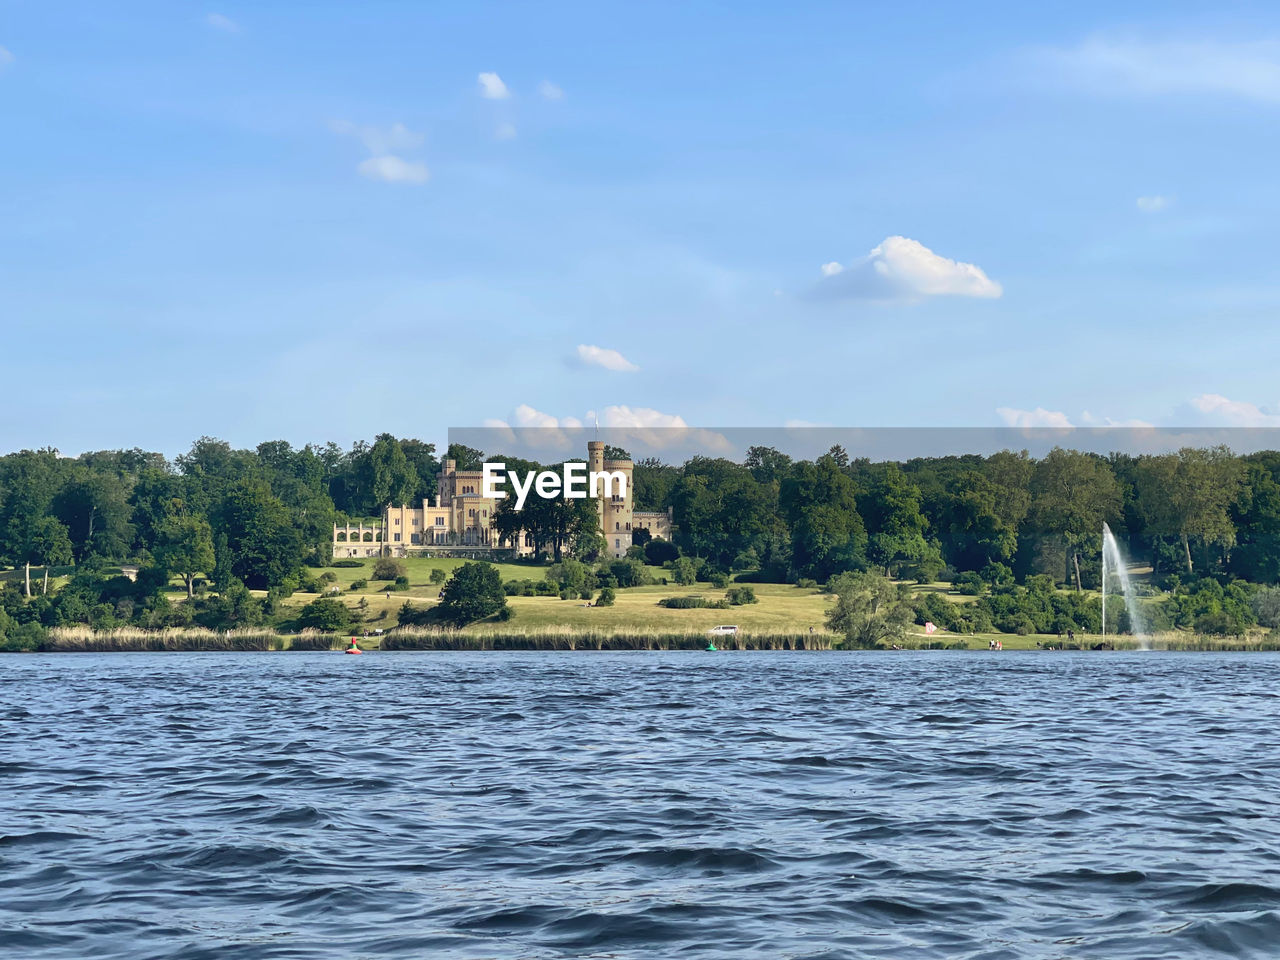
[410,639]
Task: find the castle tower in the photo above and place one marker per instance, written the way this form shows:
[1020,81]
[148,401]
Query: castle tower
[595,464]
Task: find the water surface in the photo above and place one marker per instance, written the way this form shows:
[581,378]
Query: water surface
[555,805]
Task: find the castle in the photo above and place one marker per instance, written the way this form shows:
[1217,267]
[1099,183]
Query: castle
[461,521]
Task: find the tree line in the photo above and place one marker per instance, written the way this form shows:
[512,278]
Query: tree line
[256,519]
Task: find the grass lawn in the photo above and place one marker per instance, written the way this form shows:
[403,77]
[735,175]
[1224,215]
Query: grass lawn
[782,609]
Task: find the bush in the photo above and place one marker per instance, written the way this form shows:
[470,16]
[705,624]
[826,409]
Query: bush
[402,583]
[630,573]
[970,583]
[360,584]
[806,583]
[329,577]
[606,597]
[325,614]
[1219,623]
[20,637]
[684,571]
[718,579]
[659,552]
[1265,604]
[505,613]
[585,595]
[741,595]
[683,603]
[438,575]
[347,564]
[387,569]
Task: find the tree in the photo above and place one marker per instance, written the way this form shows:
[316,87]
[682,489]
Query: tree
[1073,493]
[897,525]
[96,514]
[474,592]
[263,539]
[820,504]
[1190,495]
[184,545]
[466,458]
[868,610]
[392,478]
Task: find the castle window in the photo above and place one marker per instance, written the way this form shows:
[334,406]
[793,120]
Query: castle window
[397,538]
[414,538]
[397,521]
[415,521]
[617,544]
[439,521]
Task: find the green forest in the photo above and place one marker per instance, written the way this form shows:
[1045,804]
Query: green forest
[241,530]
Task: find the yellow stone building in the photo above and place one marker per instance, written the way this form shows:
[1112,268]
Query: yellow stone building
[461,520]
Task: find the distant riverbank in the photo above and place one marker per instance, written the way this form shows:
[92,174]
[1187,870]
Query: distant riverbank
[485,637]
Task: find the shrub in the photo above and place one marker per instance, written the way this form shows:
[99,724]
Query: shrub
[970,583]
[325,614]
[718,579]
[683,603]
[585,595]
[658,552]
[606,597]
[806,583]
[1265,603]
[387,569]
[328,576]
[1219,623]
[630,573]
[505,613]
[360,584]
[741,595]
[347,564]
[684,571]
[438,575]
[402,583]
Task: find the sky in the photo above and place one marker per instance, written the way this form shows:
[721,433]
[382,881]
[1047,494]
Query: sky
[321,221]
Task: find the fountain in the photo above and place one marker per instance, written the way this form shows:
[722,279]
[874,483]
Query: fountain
[1113,560]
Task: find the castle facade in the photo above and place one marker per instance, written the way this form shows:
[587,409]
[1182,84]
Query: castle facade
[461,520]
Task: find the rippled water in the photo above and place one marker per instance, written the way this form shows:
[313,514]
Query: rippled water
[690,805]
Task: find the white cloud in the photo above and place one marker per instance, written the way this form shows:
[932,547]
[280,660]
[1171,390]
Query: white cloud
[384,143]
[1213,409]
[1039,417]
[1247,70]
[392,169]
[380,140]
[1089,420]
[6,57]
[1153,204]
[604,357]
[492,87]
[904,269]
[222,23]
[647,429]
[550,91]
[505,131]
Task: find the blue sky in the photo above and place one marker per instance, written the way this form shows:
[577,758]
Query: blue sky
[320,221]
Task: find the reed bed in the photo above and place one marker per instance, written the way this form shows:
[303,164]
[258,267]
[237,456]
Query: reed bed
[577,638]
[83,639]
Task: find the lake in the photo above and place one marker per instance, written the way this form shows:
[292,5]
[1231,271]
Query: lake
[694,805]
